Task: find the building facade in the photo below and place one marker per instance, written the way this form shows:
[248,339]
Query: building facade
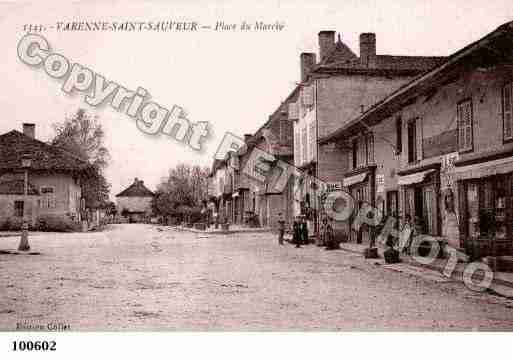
[441,149]
[335,91]
[54,178]
[134,202]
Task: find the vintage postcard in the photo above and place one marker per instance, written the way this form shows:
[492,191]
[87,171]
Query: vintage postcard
[310,166]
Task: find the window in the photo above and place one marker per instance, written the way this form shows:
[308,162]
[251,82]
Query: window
[421,207]
[18,208]
[487,207]
[465,140]
[313,140]
[507,116]
[304,146]
[355,146]
[370,148]
[399,135]
[297,152]
[412,141]
[363,151]
[48,197]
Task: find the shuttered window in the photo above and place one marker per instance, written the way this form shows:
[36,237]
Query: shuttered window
[419,136]
[312,136]
[412,141]
[465,140]
[296,148]
[507,105]
[47,198]
[304,146]
[363,151]
[399,135]
[370,148]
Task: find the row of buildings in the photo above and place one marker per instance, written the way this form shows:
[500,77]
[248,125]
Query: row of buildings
[426,139]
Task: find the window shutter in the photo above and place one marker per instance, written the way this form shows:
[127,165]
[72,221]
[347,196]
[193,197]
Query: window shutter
[293,111]
[465,125]
[507,112]
[296,148]
[307,95]
[370,148]
[312,140]
[304,146]
[418,139]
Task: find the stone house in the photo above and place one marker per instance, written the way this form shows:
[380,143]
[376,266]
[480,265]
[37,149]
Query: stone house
[54,178]
[334,91]
[271,143]
[135,202]
[442,148]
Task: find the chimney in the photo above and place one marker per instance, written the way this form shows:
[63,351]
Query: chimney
[29,129]
[368,49]
[326,43]
[247,137]
[307,60]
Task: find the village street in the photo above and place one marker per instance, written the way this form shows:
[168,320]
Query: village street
[137,277]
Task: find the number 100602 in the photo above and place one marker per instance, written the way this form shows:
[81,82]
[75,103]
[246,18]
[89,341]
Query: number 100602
[22,345]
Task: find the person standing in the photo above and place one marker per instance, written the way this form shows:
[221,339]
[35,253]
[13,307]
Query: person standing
[304,230]
[323,239]
[296,236]
[281,228]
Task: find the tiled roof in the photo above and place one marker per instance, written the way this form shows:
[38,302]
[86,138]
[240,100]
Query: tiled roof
[389,62]
[496,42]
[136,189]
[342,59]
[14,145]
[17,187]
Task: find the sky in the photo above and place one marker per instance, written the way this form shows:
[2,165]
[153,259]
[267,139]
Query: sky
[232,79]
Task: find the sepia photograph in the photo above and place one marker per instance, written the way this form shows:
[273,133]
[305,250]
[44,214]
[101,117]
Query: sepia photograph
[310,167]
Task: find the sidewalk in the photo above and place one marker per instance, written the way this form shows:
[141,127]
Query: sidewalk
[17,234]
[234,228]
[501,279]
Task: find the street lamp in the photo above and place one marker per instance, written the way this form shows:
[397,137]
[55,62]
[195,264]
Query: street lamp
[26,163]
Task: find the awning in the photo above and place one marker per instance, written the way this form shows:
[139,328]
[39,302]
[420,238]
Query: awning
[413,178]
[349,181]
[484,169]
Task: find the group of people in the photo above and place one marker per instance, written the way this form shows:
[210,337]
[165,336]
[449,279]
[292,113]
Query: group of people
[300,234]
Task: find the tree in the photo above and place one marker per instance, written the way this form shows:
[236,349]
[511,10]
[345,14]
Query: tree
[182,192]
[82,135]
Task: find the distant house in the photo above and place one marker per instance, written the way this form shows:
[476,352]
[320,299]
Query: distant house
[54,178]
[135,201]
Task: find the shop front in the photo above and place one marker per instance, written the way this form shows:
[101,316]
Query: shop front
[485,192]
[421,188]
[361,187]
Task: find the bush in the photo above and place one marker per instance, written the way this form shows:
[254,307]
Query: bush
[54,223]
[11,224]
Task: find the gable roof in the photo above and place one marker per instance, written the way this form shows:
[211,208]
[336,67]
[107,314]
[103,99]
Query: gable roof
[14,145]
[340,53]
[341,60]
[136,189]
[17,186]
[498,43]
